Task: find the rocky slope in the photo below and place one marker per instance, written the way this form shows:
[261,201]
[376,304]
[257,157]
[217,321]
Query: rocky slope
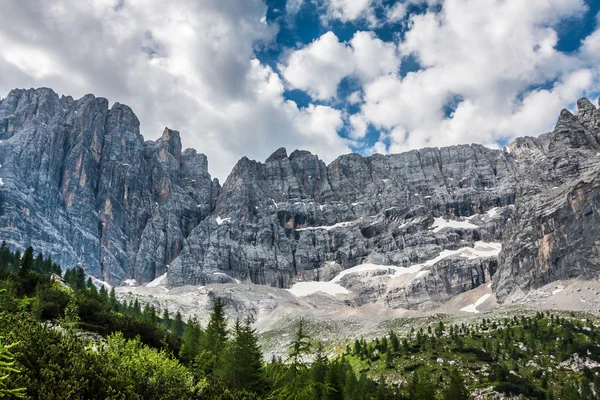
[80,183]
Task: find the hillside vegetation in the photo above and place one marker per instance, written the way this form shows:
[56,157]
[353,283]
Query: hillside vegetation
[63,337]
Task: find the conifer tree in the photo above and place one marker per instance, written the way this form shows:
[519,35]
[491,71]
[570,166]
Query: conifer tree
[166,319]
[5,255]
[178,325]
[7,368]
[112,300]
[244,369]
[215,341]
[37,263]
[26,262]
[294,381]
[456,389]
[190,346]
[103,294]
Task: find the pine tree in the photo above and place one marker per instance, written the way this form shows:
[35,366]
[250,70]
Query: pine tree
[293,380]
[190,346]
[456,389]
[245,359]
[112,300]
[26,262]
[79,279]
[178,325]
[215,341]
[166,319]
[7,368]
[137,310]
[37,263]
[5,255]
[103,294]
[395,342]
[319,372]
[47,266]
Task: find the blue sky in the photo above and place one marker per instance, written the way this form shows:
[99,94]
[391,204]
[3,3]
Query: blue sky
[245,77]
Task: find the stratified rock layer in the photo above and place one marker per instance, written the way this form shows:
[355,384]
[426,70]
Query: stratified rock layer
[81,184]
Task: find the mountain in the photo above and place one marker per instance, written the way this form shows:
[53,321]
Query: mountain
[80,184]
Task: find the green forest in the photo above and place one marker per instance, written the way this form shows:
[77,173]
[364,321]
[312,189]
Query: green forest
[61,337]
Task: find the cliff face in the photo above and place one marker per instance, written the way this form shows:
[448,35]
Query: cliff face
[80,183]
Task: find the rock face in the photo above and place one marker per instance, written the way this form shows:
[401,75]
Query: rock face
[555,232]
[80,183]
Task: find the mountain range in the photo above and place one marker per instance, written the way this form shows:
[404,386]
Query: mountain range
[411,230]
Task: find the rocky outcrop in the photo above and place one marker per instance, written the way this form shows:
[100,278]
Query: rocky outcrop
[554,233]
[80,183]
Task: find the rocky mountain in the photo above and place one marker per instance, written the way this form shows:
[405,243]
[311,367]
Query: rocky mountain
[410,230]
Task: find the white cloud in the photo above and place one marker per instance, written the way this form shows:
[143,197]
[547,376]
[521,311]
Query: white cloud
[319,67]
[349,10]
[482,60]
[188,65]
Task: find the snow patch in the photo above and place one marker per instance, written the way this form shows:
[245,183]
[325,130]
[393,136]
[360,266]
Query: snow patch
[130,282]
[441,223]
[158,281]
[221,221]
[327,228]
[305,288]
[1,182]
[332,287]
[472,308]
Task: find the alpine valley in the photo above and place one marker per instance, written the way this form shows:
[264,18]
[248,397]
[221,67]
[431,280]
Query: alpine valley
[354,246]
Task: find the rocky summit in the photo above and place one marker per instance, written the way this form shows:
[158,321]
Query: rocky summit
[410,230]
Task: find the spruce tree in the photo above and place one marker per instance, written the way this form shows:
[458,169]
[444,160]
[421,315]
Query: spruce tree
[112,300]
[103,294]
[244,370]
[215,341]
[178,325]
[190,346]
[456,389]
[26,262]
[38,262]
[5,255]
[166,319]
[7,368]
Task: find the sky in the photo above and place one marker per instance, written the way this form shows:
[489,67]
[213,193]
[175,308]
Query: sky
[245,77]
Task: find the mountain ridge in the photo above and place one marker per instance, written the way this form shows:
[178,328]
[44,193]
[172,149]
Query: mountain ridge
[126,208]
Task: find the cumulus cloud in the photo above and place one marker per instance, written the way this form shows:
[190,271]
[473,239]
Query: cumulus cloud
[319,67]
[489,70]
[350,10]
[481,63]
[185,64]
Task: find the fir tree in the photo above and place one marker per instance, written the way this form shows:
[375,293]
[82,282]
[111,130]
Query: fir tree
[112,300]
[7,368]
[215,341]
[5,255]
[166,319]
[190,346]
[245,359]
[456,389]
[26,262]
[103,294]
[178,325]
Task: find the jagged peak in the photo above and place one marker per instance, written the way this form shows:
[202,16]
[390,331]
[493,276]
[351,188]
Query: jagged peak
[584,106]
[300,153]
[277,155]
[170,135]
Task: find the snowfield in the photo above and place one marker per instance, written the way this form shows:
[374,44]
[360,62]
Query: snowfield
[332,287]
